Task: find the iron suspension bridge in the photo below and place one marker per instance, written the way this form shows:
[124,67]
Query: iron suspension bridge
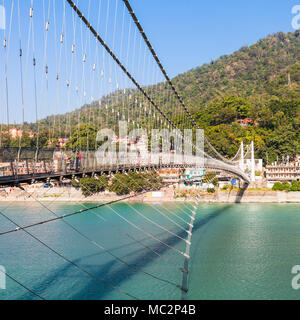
[68,54]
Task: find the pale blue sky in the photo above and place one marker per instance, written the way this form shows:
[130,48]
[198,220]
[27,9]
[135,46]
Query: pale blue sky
[189,33]
[185,34]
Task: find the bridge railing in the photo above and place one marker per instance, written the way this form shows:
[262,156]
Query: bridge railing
[26,162]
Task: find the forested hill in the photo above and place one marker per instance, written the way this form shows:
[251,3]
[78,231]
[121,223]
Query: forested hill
[243,73]
[260,82]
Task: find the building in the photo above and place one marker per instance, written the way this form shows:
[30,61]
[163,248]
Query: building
[192,176]
[246,122]
[5,169]
[15,133]
[137,149]
[62,142]
[281,172]
[170,175]
[140,144]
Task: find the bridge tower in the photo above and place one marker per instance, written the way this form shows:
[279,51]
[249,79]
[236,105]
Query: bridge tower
[252,162]
[242,156]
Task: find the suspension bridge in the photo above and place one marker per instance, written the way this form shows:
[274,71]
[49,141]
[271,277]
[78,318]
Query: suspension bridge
[70,70]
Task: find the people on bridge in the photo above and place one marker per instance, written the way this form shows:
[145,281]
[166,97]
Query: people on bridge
[79,159]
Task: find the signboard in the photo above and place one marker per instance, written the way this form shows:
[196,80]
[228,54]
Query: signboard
[158,194]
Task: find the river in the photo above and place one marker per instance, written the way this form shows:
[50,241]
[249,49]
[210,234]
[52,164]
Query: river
[239,251]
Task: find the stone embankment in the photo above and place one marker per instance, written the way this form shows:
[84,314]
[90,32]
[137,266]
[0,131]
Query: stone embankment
[252,197]
[34,193]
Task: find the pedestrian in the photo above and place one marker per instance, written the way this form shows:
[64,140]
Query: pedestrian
[79,159]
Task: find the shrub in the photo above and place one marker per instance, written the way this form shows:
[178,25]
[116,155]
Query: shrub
[123,184]
[153,181]
[120,184]
[281,186]
[75,184]
[277,187]
[90,186]
[295,186]
[211,190]
[211,177]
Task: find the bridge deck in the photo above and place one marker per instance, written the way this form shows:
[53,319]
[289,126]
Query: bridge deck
[15,179]
[25,178]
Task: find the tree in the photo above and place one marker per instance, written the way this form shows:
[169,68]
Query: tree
[91,186]
[120,184]
[281,186]
[123,184]
[83,138]
[211,177]
[283,141]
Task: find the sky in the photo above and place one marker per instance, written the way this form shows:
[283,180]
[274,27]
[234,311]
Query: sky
[185,35]
[188,33]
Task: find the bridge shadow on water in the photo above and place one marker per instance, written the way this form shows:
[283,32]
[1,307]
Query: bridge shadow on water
[113,271]
[241,193]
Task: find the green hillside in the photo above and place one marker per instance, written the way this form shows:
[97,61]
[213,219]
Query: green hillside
[243,73]
[260,82]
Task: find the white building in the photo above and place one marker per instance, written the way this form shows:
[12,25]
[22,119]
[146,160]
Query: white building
[287,171]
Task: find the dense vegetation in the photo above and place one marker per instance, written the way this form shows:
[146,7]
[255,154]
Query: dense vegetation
[211,178]
[90,186]
[121,184]
[260,82]
[246,72]
[286,186]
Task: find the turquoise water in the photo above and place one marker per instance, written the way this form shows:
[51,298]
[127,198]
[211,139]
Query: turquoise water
[240,251]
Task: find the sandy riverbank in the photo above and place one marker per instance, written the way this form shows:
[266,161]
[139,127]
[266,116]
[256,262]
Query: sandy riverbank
[67,194]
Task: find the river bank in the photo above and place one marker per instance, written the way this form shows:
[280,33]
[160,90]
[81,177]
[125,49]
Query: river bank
[67,194]
[253,197]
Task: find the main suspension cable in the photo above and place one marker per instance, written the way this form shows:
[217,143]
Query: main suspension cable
[169,81]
